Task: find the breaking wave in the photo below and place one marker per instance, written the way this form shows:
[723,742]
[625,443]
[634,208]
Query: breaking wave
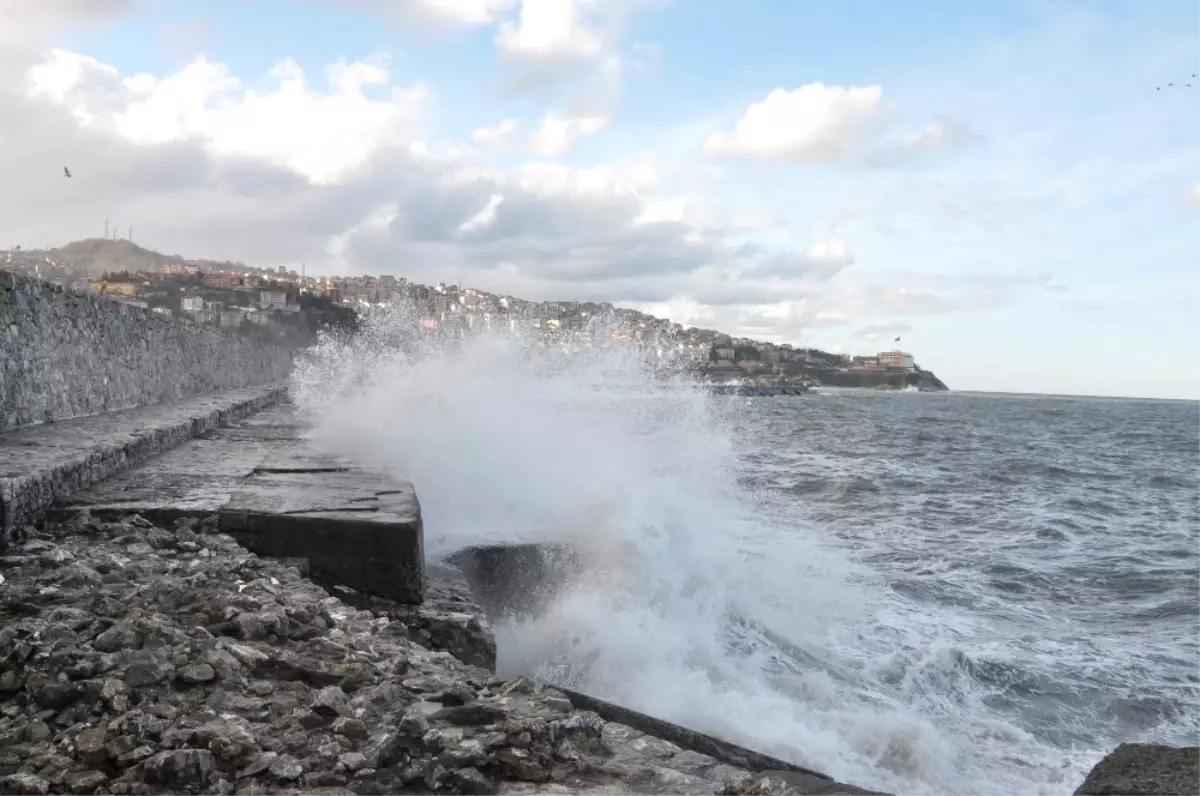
[720,607]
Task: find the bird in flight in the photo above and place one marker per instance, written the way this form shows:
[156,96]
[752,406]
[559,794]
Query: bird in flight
[66,171]
[897,339]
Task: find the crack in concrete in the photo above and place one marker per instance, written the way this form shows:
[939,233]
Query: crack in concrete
[294,470]
[338,509]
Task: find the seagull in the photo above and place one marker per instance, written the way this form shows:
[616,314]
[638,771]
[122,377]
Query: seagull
[66,171]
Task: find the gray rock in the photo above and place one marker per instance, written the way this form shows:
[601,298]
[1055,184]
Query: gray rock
[22,783]
[118,637]
[86,781]
[1134,769]
[329,702]
[286,767]
[180,768]
[195,673]
[148,672]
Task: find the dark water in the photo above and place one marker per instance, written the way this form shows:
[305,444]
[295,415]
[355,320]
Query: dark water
[1061,535]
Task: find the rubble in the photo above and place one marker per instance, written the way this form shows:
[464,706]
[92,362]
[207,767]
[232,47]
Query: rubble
[136,659]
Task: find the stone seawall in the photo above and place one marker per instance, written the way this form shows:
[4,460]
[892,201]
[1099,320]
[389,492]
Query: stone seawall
[65,355]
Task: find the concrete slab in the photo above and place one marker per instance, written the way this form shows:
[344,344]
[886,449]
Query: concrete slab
[49,462]
[280,497]
[356,528]
[198,477]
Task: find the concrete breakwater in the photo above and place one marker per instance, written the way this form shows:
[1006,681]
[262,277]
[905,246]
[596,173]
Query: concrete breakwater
[65,355]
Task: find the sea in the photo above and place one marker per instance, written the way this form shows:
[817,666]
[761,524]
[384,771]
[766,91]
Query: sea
[911,592]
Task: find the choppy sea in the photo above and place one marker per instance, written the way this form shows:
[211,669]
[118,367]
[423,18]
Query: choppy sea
[920,593]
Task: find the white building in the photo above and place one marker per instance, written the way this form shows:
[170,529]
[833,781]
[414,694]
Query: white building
[272,300]
[897,360]
[191,304]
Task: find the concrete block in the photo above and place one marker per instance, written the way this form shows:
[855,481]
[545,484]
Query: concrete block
[356,528]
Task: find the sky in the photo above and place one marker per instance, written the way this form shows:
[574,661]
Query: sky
[1011,186]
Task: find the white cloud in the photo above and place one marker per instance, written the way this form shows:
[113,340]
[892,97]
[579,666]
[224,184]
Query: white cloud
[814,124]
[426,14]
[324,135]
[550,30]
[466,12]
[484,218]
[1193,194]
[553,137]
[501,138]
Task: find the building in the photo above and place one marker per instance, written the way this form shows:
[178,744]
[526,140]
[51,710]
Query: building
[191,304]
[272,300]
[118,288]
[897,360]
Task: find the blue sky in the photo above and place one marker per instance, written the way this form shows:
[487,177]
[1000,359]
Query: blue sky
[1013,200]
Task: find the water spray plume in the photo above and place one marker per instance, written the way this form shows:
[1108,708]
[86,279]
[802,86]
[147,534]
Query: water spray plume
[700,601]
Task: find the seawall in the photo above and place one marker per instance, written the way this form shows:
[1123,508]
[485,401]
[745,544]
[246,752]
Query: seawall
[66,355]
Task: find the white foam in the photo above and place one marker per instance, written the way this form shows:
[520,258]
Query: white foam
[504,444]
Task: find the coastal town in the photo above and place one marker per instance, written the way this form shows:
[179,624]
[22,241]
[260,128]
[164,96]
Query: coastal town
[289,307]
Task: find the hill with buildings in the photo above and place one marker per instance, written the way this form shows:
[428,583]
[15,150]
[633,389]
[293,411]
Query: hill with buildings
[290,308]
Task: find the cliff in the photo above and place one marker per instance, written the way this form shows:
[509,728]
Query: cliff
[925,380]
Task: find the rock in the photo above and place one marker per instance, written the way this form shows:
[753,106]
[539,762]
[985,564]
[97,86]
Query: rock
[180,768]
[24,784]
[56,696]
[1135,769]
[468,780]
[90,745]
[352,761]
[474,713]
[86,781]
[116,638]
[196,667]
[148,672]
[195,673]
[286,767]
[351,728]
[329,702]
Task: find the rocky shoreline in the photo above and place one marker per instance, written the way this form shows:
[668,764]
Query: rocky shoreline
[136,659]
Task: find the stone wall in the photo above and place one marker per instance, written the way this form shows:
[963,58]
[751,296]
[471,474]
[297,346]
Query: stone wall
[65,355]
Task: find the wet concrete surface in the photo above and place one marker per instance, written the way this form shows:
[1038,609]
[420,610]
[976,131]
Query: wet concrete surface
[279,496]
[42,464]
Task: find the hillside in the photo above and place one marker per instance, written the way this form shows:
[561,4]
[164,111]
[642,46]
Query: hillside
[95,257]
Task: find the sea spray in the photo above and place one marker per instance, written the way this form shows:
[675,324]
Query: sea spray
[705,604]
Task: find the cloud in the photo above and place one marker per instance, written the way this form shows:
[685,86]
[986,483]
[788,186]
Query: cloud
[819,260]
[885,330]
[811,124]
[553,137]
[20,21]
[549,30]
[434,13]
[939,133]
[1193,194]
[820,124]
[555,41]
[339,173]
[324,135]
